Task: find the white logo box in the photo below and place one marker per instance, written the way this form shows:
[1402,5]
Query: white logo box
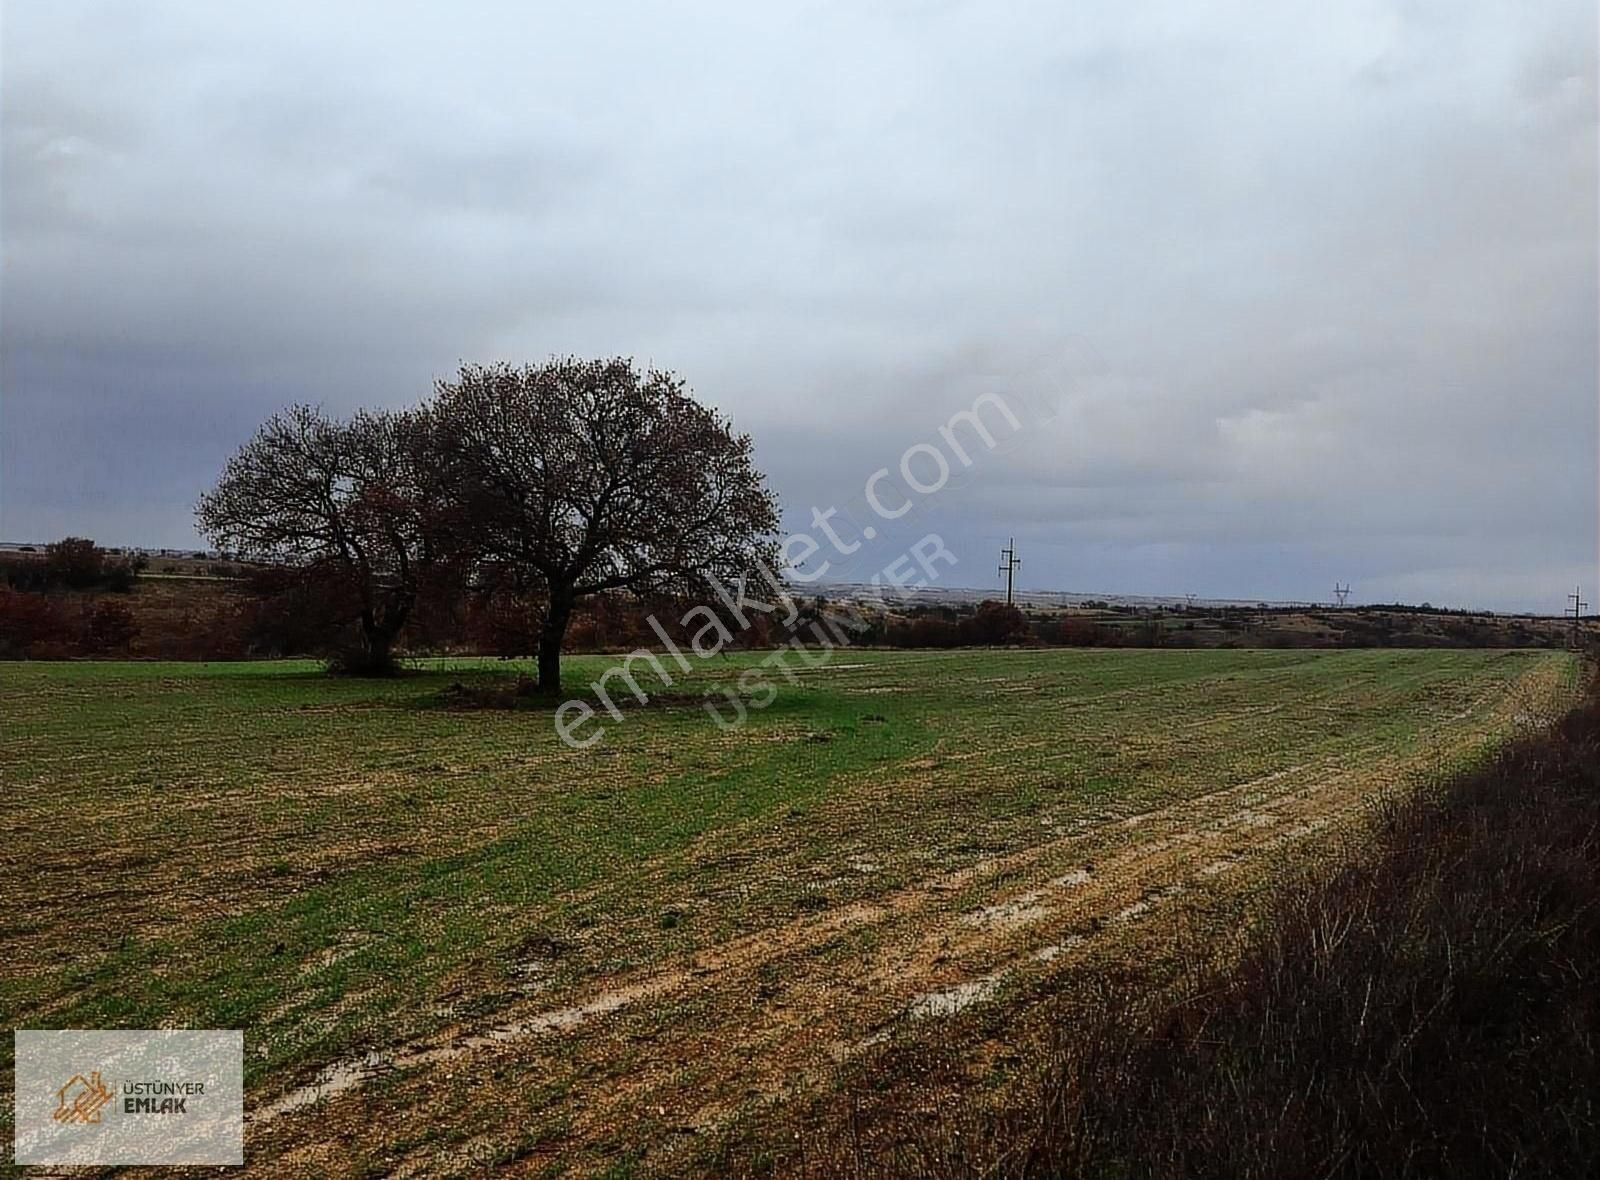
[145,1096]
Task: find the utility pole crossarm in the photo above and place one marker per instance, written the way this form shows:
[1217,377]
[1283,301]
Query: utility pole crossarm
[1009,564]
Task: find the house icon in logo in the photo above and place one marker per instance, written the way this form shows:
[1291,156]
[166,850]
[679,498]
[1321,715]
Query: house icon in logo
[80,1100]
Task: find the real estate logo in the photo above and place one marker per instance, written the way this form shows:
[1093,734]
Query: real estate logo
[160,1096]
[80,1100]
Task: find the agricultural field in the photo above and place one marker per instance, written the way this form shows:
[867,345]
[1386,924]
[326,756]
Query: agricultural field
[453,940]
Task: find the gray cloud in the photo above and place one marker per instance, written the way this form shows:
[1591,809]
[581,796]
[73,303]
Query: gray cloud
[1313,288]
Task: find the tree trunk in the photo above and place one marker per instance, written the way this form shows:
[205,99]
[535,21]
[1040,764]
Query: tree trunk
[376,640]
[551,635]
[378,632]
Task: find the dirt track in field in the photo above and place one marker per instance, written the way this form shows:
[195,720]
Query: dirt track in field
[674,1052]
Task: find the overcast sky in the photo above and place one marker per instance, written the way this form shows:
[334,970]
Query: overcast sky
[1311,288]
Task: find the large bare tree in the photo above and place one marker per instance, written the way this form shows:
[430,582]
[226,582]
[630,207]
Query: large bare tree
[348,498]
[581,476]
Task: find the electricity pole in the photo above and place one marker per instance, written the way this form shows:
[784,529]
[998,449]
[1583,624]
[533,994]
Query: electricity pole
[1008,566]
[1576,611]
[1341,592]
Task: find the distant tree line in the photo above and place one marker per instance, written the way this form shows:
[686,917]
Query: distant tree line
[73,562]
[37,623]
[263,611]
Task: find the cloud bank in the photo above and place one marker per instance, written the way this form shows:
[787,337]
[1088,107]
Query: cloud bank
[1312,288]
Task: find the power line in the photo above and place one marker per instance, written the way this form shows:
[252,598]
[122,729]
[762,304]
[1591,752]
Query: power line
[1576,611]
[1009,564]
[1341,592]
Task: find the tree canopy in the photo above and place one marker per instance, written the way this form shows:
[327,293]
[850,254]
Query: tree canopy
[560,480]
[582,476]
[349,499]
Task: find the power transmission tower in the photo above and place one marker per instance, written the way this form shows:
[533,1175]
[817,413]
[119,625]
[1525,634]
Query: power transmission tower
[1576,611]
[1009,564]
[1341,592]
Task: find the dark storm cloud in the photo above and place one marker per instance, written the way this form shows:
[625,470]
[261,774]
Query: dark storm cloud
[1312,288]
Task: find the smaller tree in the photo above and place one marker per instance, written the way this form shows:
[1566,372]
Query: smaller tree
[994,623]
[344,496]
[74,561]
